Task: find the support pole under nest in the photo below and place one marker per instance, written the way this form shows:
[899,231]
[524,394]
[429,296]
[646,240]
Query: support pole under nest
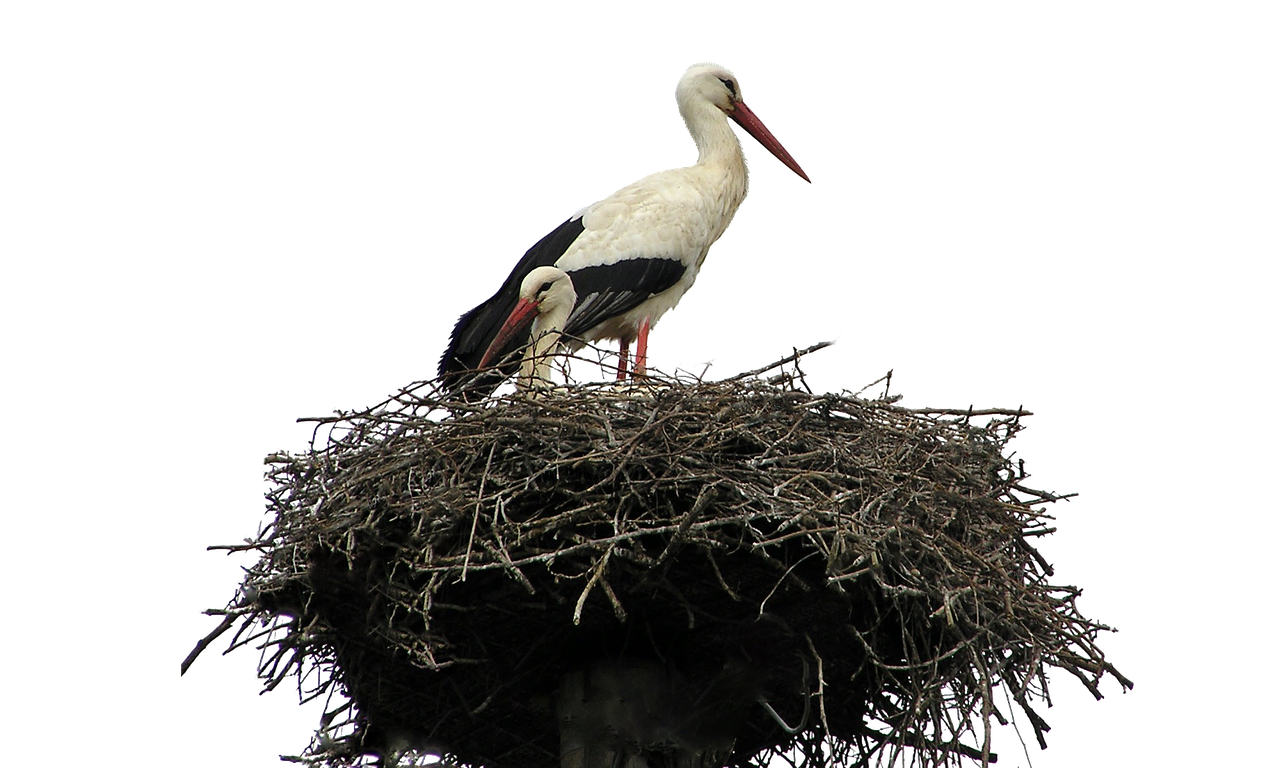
[640,713]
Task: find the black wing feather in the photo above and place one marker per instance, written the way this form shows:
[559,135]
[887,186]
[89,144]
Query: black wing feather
[609,290]
[475,330]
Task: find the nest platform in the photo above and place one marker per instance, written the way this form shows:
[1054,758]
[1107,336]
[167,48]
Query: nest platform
[860,577]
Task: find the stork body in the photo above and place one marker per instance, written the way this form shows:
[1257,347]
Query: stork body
[633,255]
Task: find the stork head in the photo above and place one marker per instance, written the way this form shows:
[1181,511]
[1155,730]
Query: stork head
[712,84]
[546,298]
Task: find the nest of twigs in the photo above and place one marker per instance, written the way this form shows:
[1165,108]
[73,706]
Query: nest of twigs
[865,572]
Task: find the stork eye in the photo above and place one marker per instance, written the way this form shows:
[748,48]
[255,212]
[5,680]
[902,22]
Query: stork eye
[729,84]
[545,287]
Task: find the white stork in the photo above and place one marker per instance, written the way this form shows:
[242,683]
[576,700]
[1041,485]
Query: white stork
[634,254]
[546,299]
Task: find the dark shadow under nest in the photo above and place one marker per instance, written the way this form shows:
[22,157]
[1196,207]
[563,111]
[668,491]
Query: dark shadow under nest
[846,581]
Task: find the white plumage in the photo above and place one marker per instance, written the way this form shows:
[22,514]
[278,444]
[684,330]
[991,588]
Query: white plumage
[633,255]
[546,299]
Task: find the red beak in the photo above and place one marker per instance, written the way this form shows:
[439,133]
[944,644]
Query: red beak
[518,321]
[752,125]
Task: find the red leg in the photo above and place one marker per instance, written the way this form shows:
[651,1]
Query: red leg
[642,351]
[623,353]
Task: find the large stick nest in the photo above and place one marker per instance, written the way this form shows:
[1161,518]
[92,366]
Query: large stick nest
[859,570]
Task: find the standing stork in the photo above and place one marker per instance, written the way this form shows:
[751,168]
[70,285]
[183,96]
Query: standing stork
[634,254]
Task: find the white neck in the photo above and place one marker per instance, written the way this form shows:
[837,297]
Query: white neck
[717,144]
[535,369]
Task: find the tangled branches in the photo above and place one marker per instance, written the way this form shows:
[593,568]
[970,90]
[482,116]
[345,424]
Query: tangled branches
[856,581]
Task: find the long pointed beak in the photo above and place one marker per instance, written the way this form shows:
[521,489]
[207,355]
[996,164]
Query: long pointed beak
[518,321]
[752,125]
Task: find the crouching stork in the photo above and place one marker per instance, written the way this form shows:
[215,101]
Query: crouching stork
[546,299]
